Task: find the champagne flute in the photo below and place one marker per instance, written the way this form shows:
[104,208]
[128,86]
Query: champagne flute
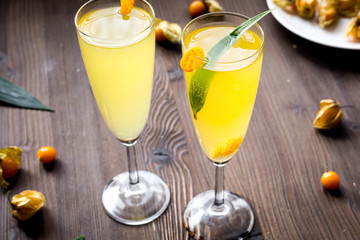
[118,53]
[221,97]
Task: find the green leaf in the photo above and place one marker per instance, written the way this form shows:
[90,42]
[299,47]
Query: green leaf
[15,95]
[81,237]
[202,78]
[198,89]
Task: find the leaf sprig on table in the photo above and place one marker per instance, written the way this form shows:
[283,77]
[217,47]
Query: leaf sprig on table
[81,237]
[19,97]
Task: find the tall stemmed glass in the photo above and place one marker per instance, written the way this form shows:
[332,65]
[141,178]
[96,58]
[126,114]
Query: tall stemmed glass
[221,98]
[118,53]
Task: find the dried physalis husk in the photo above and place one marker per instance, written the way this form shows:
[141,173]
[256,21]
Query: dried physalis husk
[306,8]
[213,6]
[13,153]
[348,8]
[327,13]
[328,116]
[26,204]
[172,31]
[287,5]
[353,28]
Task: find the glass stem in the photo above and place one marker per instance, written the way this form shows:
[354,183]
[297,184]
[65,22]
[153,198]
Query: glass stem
[219,187]
[132,165]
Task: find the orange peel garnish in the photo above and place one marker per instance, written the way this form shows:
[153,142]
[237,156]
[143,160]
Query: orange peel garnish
[227,148]
[192,59]
[126,6]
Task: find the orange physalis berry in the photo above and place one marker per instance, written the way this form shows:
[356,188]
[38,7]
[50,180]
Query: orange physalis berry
[192,59]
[330,180]
[230,147]
[126,6]
[9,167]
[46,154]
[197,8]
[159,34]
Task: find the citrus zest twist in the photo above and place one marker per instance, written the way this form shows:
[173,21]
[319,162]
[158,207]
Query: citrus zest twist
[126,6]
[192,59]
[227,148]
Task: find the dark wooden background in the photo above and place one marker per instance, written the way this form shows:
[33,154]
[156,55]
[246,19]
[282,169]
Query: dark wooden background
[277,169]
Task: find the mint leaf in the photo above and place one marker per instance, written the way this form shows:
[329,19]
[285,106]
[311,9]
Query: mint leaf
[202,78]
[198,89]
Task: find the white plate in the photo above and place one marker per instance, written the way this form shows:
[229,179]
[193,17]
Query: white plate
[333,36]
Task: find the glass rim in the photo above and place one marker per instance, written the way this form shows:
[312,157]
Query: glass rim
[106,39]
[223,13]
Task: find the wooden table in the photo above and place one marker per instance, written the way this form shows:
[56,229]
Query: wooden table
[277,169]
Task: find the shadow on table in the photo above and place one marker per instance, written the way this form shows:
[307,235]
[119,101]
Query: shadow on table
[172,47]
[33,227]
[343,131]
[50,166]
[339,131]
[338,193]
[334,58]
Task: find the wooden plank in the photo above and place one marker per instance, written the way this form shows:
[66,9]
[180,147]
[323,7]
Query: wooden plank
[277,169]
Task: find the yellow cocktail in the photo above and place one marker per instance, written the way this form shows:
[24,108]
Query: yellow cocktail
[221,94]
[120,68]
[118,50]
[222,122]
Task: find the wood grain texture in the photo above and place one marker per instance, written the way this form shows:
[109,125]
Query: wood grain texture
[277,169]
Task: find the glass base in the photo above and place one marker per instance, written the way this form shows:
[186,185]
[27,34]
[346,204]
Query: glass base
[136,204]
[204,220]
